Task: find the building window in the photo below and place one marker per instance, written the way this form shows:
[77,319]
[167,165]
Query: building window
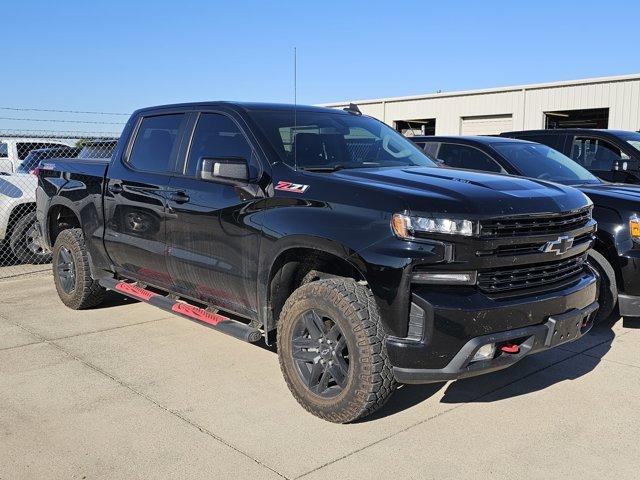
[414,128]
[589,118]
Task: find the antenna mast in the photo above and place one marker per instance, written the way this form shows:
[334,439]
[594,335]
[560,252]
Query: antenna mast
[295,107]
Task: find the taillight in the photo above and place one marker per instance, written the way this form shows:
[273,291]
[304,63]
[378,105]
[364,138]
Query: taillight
[35,171]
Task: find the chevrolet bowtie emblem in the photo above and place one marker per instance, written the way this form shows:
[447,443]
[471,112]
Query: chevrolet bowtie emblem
[559,246]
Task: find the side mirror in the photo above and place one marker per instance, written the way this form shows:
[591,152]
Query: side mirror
[234,170]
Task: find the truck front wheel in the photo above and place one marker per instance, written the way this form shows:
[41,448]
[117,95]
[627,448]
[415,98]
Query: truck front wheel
[71,272]
[331,350]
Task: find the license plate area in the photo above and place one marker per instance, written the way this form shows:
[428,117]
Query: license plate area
[566,327]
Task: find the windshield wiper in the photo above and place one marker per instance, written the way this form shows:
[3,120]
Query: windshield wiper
[330,168]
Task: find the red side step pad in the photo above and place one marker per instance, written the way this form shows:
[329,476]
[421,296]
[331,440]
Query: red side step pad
[212,320]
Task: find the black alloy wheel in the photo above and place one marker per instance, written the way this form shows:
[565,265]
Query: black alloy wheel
[321,354]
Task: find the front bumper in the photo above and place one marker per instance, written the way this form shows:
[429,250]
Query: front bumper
[529,340]
[458,321]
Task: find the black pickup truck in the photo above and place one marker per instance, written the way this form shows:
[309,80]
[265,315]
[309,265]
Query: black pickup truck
[616,251]
[329,233]
[613,155]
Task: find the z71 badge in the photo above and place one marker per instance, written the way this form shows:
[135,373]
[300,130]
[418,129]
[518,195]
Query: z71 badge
[291,187]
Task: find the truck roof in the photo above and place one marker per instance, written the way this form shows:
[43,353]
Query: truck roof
[246,106]
[567,131]
[486,140]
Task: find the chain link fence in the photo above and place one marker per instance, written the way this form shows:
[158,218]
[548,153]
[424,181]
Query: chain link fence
[21,153]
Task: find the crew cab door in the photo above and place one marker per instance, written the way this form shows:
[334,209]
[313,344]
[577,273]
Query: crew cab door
[135,198]
[212,236]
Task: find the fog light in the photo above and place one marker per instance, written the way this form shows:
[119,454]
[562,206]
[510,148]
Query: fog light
[485,352]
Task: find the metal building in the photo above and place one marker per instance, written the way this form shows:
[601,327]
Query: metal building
[609,102]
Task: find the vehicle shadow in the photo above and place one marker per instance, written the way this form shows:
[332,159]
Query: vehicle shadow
[492,387]
[405,397]
[115,299]
[631,322]
[522,378]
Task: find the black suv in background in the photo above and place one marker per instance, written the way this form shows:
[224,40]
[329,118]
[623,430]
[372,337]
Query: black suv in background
[613,155]
[617,247]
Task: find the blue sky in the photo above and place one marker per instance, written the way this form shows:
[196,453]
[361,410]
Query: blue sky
[116,56]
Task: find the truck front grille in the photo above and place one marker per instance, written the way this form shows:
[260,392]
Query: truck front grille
[549,274]
[531,225]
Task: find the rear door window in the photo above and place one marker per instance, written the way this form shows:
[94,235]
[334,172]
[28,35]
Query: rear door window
[4,150]
[596,154]
[156,145]
[463,156]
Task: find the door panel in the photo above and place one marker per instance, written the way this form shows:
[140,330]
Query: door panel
[213,245]
[135,200]
[212,240]
[135,236]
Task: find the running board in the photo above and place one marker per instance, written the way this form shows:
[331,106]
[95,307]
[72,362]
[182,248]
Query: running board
[191,312]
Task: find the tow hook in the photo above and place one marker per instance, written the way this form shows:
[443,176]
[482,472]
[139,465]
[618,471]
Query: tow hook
[510,348]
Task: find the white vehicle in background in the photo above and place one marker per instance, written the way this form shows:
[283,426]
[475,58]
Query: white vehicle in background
[13,150]
[18,224]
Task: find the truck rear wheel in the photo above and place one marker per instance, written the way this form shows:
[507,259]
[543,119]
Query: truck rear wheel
[25,242]
[71,272]
[608,289]
[331,350]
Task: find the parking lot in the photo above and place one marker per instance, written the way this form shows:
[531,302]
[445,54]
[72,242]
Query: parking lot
[128,391]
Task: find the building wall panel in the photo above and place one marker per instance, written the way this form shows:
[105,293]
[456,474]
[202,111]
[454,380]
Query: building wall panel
[526,104]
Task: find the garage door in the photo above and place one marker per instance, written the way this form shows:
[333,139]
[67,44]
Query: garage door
[486,125]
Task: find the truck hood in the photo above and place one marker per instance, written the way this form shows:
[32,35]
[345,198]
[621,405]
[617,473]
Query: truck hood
[620,191]
[18,185]
[619,196]
[428,189]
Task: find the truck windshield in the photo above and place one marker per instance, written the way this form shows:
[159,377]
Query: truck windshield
[542,162]
[326,141]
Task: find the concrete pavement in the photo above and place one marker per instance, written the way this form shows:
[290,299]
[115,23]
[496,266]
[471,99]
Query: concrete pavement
[127,391]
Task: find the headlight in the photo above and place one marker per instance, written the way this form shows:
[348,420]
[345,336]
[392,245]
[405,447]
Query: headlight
[634,227]
[407,227]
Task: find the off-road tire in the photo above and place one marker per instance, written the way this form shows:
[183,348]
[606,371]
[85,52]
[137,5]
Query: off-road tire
[87,292]
[608,289]
[370,380]
[19,243]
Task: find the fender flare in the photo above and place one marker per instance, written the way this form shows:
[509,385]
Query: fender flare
[269,258]
[57,201]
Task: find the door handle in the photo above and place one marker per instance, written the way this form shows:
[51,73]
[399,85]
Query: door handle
[179,197]
[116,188]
